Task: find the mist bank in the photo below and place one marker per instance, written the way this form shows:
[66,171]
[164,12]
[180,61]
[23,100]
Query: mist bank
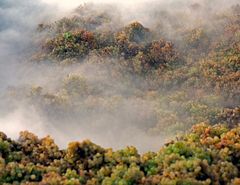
[133,76]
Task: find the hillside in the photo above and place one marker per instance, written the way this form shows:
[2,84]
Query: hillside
[135,77]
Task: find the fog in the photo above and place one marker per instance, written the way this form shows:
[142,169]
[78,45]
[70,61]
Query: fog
[115,128]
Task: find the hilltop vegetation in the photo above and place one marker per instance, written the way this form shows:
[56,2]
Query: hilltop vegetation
[206,155]
[190,79]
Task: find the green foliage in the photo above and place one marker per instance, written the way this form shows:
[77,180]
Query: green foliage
[205,155]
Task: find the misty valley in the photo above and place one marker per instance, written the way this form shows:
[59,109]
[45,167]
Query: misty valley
[110,93]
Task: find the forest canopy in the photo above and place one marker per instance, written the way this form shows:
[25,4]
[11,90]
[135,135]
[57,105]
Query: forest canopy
[128,78]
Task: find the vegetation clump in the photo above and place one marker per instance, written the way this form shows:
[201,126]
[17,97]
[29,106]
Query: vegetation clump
[131,43]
